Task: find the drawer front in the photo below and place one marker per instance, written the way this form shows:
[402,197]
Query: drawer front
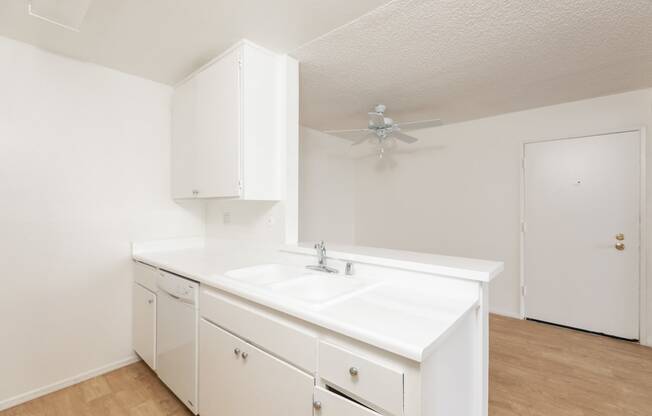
[272,333]
[329,404]
[145,275]
[372,383]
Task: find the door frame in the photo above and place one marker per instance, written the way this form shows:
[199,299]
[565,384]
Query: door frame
[643,279]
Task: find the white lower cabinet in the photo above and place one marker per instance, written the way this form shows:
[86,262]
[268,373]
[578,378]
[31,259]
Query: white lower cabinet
[144,324]
[238,379]
[331,404]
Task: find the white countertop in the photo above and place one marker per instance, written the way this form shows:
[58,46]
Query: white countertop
[405,316]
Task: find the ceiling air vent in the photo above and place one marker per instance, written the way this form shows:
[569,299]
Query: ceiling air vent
[68,14]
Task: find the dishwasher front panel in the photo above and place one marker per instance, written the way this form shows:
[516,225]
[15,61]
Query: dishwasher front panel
[177,333]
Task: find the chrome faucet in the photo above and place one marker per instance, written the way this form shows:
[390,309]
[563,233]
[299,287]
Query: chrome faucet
[321,260]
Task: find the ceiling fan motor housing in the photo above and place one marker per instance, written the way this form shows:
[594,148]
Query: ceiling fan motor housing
[380,108]
[383,130]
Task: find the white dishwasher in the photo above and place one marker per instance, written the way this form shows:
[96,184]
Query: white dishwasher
[177,333]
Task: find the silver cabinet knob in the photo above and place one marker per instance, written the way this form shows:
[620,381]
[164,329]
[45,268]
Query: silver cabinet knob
[236,351]
[150,301]
[316,404]
[353,371]
[244,355]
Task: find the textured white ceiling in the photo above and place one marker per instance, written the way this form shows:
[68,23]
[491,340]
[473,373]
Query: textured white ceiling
[465,59]
[164,40]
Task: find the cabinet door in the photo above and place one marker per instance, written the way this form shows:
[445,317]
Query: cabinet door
[219,97]
[144,324]
[183,147]
[237,379]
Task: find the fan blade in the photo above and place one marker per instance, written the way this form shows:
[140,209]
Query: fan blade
[376,120]
[363,138]
[404,137]
[414,125]
[349,134]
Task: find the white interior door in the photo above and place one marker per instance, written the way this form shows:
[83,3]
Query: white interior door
[581,196]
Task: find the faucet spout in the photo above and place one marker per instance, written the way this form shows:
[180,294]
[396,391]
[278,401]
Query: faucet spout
[321,260]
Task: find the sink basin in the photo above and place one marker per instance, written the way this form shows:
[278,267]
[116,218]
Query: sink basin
[318,288]
[266,274]
[297,282]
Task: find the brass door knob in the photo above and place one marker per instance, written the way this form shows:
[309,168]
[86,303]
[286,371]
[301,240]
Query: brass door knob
[620,246]
[620,236]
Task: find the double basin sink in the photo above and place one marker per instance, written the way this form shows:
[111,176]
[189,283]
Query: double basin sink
[299,283]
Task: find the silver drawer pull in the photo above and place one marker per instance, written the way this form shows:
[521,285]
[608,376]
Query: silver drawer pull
[236,351]
[317,405]
[353,371]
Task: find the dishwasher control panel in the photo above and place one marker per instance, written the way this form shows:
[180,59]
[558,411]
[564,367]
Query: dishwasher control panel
[177,286]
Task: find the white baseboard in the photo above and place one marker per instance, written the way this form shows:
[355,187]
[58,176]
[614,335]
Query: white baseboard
[508,314]
[42,391]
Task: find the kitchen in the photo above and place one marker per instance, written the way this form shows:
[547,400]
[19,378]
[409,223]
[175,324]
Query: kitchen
[189,230]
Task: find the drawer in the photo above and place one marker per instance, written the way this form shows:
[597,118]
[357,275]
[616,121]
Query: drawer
[272,332]
[145,275]
[330,404]
[372,383]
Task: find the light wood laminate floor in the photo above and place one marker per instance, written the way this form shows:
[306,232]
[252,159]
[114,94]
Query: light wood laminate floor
[130,391]
[543,370]
[535,370]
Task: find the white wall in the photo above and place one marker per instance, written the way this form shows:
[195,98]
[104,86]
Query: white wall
[84,156]
[460,195]
[262,221]
[326,189]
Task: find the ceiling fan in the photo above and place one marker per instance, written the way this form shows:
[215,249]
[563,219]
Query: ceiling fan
[383,131]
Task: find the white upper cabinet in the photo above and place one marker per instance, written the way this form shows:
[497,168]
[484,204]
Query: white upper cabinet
[227,126]
[183,147]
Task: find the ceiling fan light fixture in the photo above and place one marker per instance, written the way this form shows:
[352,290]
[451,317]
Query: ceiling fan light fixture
[384,145]
[68,14]
[383,131]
